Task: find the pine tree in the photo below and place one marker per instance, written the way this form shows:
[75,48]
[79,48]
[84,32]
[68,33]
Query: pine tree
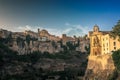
[116,31]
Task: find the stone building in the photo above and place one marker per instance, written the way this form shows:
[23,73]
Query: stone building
[43,35]
[83,43]
[31,33]
[18,34]
[4,33]
[66,39]
[40,41]
[100,62]
[101,42]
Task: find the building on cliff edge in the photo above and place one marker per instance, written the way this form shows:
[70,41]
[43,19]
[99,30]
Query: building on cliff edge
[101,42]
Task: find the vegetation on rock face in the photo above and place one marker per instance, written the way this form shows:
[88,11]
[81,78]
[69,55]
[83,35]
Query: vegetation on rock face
[116,54]
[116,59]
[87,48]
[6,40]
[54,44]
[116,30]
[21,67]
[20,42]
[113,76]
[28,38]
[71,46]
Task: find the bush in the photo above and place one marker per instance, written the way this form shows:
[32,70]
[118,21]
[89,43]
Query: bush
[113,76]
[116,59]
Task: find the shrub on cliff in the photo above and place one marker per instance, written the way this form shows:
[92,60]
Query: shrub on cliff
[113,76]
[116,31]
[116,59]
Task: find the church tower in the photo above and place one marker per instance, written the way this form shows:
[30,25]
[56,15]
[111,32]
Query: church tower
[95,41]
[96,28]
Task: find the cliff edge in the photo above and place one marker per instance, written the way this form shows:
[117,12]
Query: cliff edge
[99,67]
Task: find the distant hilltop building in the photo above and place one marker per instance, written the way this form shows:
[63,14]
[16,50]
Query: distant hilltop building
[31,33]
[43,35]
[4,33]
[101,42]
[66,38]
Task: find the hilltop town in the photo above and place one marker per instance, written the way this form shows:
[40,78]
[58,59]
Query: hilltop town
[28,41]
[45,53]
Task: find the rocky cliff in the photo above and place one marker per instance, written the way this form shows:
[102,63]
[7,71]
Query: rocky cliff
[39,66]
[99,67]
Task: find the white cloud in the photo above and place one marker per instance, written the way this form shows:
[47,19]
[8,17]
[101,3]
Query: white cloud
[70,30]
[27,27]
[77,30]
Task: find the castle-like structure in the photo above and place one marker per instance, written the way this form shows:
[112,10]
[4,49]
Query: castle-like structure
[101,42]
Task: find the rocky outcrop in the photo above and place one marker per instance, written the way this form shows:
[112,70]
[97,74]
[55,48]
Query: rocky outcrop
[26,48]
[99,67]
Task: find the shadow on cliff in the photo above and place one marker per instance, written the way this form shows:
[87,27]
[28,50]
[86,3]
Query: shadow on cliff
[84,64]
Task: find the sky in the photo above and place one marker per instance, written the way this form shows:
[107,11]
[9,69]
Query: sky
[71,17]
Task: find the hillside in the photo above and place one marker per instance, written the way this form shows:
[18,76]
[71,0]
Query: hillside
[41,66]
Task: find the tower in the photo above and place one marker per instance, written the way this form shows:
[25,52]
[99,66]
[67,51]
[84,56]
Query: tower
[96,28]
[95,41]
[38,34]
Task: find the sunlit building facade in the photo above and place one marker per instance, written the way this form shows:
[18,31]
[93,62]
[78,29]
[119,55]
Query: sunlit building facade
[101,42]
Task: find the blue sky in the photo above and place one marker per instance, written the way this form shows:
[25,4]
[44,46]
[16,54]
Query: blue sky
[73,17]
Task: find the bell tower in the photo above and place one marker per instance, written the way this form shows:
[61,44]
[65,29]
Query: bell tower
[95,41]
[96,28]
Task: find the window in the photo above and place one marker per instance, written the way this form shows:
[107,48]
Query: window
[114,48]
[107,44]
[114,43]
[95,53]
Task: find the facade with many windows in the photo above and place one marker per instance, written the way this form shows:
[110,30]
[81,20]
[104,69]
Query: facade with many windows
[101,42]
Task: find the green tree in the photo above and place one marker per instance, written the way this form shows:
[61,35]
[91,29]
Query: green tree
[116,59]
[54,44]
[85,36]
[61,42]
[116,31]
[87,48]
[20,42]
[9,38]
[113,76]
[70,46]
[78,43]
[28,38]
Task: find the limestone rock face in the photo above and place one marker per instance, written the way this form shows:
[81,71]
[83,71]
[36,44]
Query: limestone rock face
[25,48]
[99,67]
